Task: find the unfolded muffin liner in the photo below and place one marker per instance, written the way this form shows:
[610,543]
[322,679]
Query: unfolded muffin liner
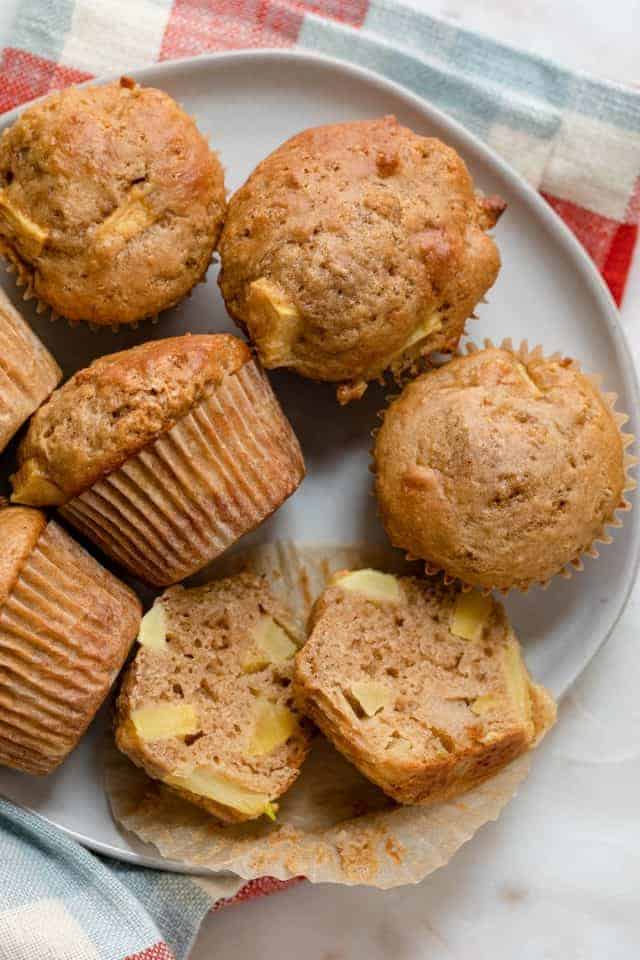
[333,825]
[525,354]
[65,630]
[28,372]
[185,498]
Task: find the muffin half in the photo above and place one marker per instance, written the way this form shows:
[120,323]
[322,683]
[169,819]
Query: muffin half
[206,705]
[66,626]
[164,454]
[501,468]
[421,686]
[28,372]
[111,202]
[357,248]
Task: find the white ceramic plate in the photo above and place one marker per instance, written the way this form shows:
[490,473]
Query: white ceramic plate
[548,291]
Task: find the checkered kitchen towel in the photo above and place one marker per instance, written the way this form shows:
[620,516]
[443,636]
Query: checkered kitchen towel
[575,139]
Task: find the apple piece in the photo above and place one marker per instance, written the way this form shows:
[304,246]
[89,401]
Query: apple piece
[161,721]
[272,645]
[378,587]
[517,680]
[153,628]
[470,614]
[371,695]
[206,781]
[30,236]
[274,321]
[274,724]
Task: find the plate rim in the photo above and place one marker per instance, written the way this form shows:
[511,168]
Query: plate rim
[527,193]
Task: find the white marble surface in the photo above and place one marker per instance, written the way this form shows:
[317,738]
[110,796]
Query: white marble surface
[558,877]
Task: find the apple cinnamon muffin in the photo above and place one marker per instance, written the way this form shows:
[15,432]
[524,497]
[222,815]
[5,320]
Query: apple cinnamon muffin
[163,455]
[28,372]
[66,626]
[501,468]
[357,248]
[111,202]
[423,687]
[206,704]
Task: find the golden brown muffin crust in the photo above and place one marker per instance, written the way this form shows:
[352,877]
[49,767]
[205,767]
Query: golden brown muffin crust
[20,528]
[111,201]
[367,234]
[497,472]
[112,409]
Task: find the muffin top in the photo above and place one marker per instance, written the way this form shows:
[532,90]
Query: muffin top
[354,248]
[111,201]
[109,411]
[20,529]
[499,468]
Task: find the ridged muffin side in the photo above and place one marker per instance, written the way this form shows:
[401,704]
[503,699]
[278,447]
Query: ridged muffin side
[66,626]
[28,372]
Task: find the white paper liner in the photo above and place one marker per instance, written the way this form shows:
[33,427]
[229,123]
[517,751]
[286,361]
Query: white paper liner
[333,825]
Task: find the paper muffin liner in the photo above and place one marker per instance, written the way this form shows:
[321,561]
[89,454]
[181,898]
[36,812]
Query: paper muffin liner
[28,373]
[525,354]
[65,630]
[186,497]
[333,825]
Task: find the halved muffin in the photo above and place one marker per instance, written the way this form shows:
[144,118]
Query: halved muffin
[357,248]
[111,202]
[164,454]
[421,686]
[28,372]
[206,705]
[66,626]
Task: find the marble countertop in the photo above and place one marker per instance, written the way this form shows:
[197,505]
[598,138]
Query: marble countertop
[557,877]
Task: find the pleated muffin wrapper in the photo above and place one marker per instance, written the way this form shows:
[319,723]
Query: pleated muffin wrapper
[219,472]
[333,825]
[28,372]
[614,521]
[66,627]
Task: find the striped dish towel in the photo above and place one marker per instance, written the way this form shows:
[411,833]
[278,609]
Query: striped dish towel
[575,139]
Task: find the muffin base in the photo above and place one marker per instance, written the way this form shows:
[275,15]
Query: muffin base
[65,631]
[183,500]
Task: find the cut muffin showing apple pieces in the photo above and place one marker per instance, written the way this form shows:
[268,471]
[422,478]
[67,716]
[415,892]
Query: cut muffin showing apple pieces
[206,705]
[423,687]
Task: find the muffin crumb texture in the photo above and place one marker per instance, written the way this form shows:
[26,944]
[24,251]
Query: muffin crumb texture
[357,248]
[111,202]
[206,705]
[424,690]
[500,468]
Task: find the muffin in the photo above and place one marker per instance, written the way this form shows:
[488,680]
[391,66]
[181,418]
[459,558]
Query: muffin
[421,686]
[357,248]
[28,372]
[66,626]
[501,467]
[162,455]
[206,704]
[111,202]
